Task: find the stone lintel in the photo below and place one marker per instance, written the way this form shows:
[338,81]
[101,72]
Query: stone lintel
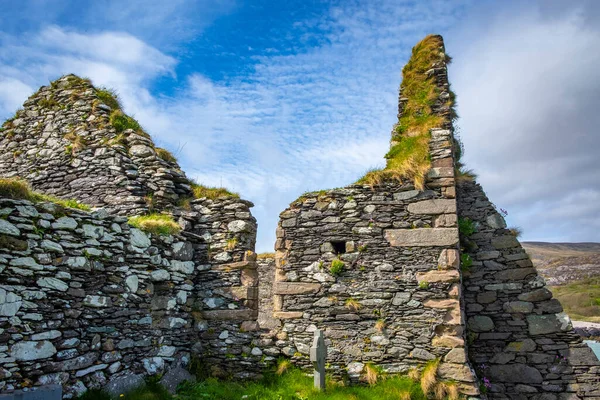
[238,292]
[433,206]
[288,314]
[441,303]
[422,237]
[438,276]
[235,266]
[295,288]
[230,315]
[447,341]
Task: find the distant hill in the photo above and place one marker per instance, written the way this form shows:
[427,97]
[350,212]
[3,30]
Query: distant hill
[562,263]
[573,272]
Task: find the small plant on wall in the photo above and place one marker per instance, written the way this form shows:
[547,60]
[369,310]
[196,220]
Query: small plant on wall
[337,267]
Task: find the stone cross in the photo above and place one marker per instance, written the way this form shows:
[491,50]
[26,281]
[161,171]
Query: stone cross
[318,354]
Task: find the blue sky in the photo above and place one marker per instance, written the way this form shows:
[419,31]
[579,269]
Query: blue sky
[273,98]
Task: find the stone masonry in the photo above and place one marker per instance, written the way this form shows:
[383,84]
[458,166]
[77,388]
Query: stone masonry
[520,338]
[396,299]
[62,143]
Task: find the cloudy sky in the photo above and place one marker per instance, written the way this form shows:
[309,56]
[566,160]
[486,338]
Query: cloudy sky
[272,98]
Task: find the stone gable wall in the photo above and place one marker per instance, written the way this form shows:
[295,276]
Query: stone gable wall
[100,168]
[520,338]
[397,302]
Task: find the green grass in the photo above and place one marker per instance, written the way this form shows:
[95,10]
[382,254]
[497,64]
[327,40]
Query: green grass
[122,122]
[581,299]
[337,267]
[159,224]
[212,193]
[16,189]
[409,156]
[165,155]
[296,385]
[109,97]
[465,262]
[466,227]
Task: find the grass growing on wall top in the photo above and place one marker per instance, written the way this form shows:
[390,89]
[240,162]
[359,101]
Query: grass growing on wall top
[16,189]
[109,97]
[158,224]
[209,192]
[409,156]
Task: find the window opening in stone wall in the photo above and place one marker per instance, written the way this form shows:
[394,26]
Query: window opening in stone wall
[339,246]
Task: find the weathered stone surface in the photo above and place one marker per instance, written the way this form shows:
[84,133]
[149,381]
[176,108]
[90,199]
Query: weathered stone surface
[422,237]
[505,242]
[295,288]
[139,239]
[438,276]
[174,377]
[480,323]
[457,372]
[53,283]
[437,206]
[515,373]
[6,228]
[27,351]
[543,324]
[518,307]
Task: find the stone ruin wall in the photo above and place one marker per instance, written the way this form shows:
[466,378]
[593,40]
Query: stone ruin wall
[519,337]
[62,143]
[400,249]
[86,301]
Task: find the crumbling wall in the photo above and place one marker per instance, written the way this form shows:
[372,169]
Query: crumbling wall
[376,266]
[521,342]
[87,301]
[63,144]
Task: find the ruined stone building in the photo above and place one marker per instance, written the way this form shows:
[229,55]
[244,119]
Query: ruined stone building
[89,301]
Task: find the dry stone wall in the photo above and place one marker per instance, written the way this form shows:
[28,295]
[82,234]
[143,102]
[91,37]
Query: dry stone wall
[86,301]
[521,341]
[376,268]
[63,144]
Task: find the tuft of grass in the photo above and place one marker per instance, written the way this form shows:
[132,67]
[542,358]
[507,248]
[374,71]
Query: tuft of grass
[109,97]
[159,224]
[352,304]
[78,143]
[47,102]
[122,122]
[282,366]
[465,261]
[429,376]
[371,374]
[66,203]
[380,325]
[165,155]
[17,189]
[452,390]
[212,193]
[466,227]
[423,285]
[409,156]
[516,231]
[465,175]
[337,267]
[231,243]
[414,374]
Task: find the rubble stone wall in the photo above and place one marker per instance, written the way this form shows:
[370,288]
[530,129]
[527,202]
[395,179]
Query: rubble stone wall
[87,301]
[520,340]
[63,144]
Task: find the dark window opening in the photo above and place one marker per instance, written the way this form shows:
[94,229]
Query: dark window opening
[339,246]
